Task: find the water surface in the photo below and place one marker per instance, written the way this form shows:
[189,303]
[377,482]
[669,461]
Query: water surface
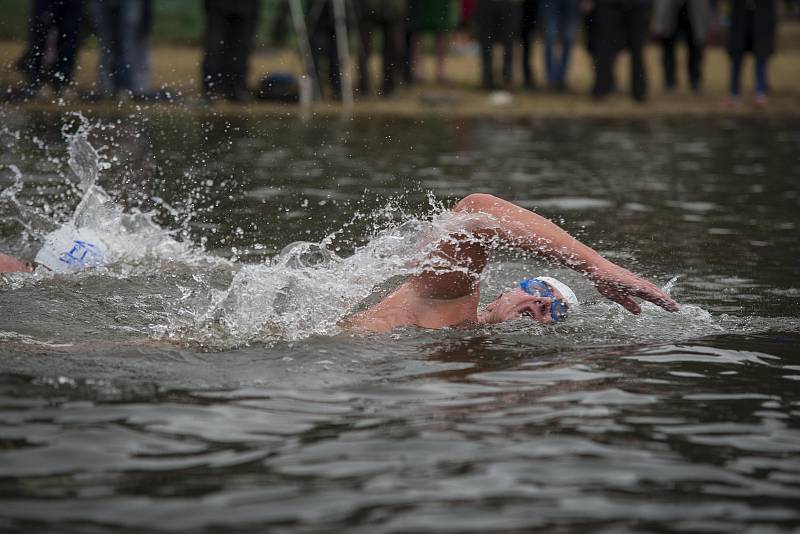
[198,382]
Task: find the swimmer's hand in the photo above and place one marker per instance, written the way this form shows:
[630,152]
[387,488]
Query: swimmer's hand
[620,285]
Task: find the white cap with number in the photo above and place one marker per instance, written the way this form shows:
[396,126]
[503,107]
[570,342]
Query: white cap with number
[71,249]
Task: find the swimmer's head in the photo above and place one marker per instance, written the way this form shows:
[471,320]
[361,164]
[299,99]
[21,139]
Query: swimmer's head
[544,299]
[71,249]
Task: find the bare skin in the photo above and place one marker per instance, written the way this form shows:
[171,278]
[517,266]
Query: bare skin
[10,264]
[439,298]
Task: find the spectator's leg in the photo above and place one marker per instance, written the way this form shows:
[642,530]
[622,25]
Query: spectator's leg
[736,75]
[607,26]
[570,10]
[141,53]
[694,50]
[129,16]
[408,56]
[318,43]
[762,86]
[509,24]
[548,15]
[440,46]
[483,16]
[695,65]
[668,61]
[241,28]
[365,29]
[392,54]
[103,18]
[526,31]
[214,49]
[38,27]
[636,32]
[334,68]
[68,18]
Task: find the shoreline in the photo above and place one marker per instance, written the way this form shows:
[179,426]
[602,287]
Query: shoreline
[178,69]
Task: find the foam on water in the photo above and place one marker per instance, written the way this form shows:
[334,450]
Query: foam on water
[308,288]
[130,236]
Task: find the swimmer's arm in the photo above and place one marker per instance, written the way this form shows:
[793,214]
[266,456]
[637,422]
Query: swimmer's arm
[10,264]
[520,228]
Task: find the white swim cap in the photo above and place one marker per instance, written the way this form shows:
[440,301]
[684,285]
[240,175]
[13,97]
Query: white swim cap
[71,249]
[561,287]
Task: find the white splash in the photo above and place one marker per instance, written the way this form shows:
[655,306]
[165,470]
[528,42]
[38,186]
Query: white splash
[130,236]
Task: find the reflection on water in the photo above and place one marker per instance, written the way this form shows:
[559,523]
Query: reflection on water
[115,413]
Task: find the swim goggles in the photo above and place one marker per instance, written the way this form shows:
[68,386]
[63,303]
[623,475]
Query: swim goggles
[533,286]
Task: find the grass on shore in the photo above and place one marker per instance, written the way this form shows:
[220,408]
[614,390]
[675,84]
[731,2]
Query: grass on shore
[179,68]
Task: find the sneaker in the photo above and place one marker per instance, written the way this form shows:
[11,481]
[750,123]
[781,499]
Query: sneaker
[732,101]
[760,100]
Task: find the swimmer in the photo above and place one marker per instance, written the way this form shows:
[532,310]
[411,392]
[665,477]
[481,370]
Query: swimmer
[440,297]
[68,249]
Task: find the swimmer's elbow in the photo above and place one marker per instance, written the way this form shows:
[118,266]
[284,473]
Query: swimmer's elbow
[477,202]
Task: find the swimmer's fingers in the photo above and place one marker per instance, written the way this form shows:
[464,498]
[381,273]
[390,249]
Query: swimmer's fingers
[655,295]
[615,294]
[619,285]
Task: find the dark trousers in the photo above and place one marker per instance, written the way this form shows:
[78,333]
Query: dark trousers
[392,36]
[620,24]
[230,27]
[326,58]
[760,72]
[65,16]
[528,26]
[498,22]
[124,28]
[684,28]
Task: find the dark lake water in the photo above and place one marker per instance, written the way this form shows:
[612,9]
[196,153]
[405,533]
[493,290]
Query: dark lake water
[199,381]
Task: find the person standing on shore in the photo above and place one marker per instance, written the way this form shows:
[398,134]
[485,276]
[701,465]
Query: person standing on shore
[527,28]
[437,17]
[752,29]
[123,28]
[690,19]
[64,17]
[620,24]
[387,17]
[498,21]
[230,28]
[559,18]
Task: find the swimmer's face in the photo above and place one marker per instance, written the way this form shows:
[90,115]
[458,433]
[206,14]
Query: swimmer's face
[517,303]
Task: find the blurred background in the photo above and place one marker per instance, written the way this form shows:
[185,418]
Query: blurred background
[462,57]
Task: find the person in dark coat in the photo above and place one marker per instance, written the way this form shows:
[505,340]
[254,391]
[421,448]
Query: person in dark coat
[321,23]
[620,24]
[387,18]
[498,22]
[752,29]
[123,28]
[230,28]
[64,17]
[689,19]
[528,27]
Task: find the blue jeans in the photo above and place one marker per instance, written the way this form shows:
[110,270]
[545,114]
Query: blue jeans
[559,18]
[760,72]
[124,47]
